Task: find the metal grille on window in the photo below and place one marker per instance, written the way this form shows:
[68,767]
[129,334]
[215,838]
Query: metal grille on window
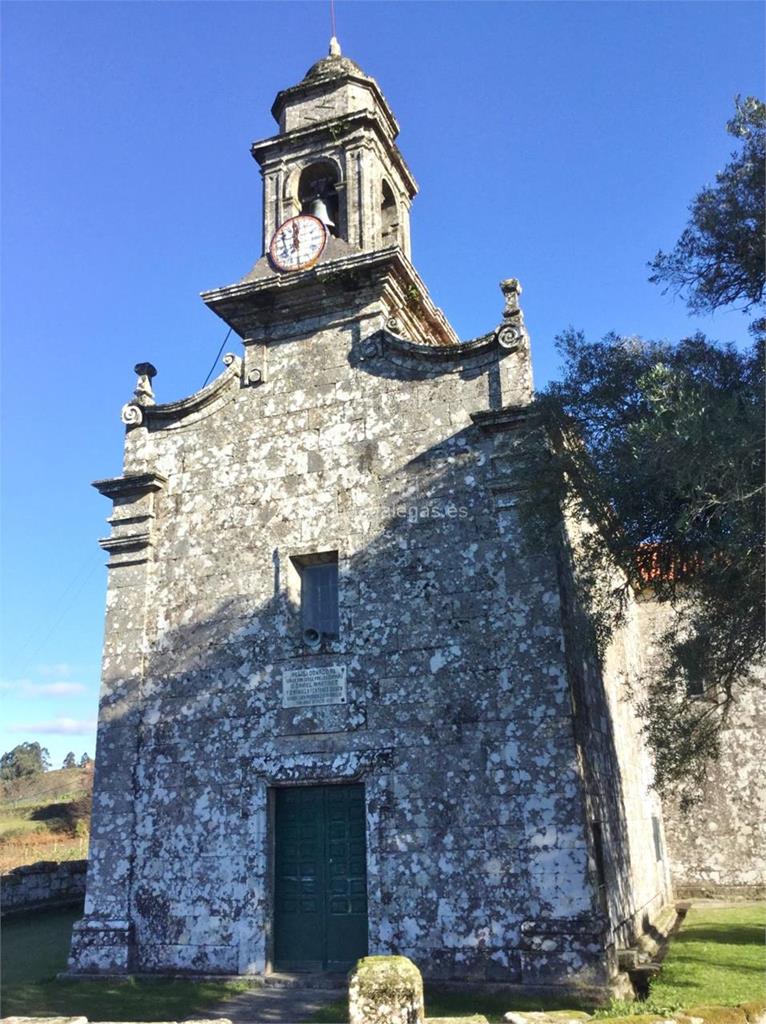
[319,600]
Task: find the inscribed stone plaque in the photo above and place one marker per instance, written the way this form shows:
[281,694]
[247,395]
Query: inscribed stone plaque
[323,684]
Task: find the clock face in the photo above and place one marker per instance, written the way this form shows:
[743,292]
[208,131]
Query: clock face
[298,243]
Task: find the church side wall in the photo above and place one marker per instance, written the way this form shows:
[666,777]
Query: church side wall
[624,811]
[717,847]
[458,719]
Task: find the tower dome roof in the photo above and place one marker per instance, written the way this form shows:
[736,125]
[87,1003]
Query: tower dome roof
[331,75]
[333,66]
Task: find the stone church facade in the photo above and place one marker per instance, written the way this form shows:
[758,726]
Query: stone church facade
[346,707]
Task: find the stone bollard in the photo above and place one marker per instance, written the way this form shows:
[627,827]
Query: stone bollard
[385,990]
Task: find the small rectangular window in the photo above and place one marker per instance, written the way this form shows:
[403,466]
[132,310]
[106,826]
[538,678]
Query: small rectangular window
[598,851]
[318,596]
[695,687]
[657,837]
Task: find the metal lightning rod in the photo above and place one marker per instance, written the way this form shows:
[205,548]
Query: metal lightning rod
[334,44]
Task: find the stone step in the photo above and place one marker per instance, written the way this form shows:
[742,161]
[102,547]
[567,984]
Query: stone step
[311,980]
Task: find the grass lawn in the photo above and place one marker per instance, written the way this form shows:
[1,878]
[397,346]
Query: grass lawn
[34,950]
[717,958]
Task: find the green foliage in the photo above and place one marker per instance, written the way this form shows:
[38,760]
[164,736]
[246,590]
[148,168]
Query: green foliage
[24,760]
[658,459]
[85,761]
[718,260]
[69,761]
[413,297]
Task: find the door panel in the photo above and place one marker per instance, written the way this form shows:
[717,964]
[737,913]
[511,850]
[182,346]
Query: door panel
[320,919]
[299,878]
[347,873]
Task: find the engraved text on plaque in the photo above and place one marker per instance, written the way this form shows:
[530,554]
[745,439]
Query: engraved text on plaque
[323,684]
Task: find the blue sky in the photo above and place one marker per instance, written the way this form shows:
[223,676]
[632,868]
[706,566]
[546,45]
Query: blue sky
[559,143]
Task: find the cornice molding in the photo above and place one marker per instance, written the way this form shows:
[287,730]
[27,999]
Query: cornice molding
[510,417]
[131,485]
[134,495]
[135,415]
[324,86]
[271,149]
[330,286]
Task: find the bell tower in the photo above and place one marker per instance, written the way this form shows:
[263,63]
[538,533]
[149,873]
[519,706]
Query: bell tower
[336,219]
[336,156]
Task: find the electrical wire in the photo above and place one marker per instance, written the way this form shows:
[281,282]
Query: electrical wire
[215,361]
[42,639]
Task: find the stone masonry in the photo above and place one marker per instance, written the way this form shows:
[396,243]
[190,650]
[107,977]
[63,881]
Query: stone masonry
[48,883]
[717,847]
[507,808]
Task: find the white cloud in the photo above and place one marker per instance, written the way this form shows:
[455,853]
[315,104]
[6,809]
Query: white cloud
[30,689]
[60,668]
[57,727]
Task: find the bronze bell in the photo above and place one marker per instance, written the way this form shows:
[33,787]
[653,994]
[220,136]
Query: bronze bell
[318,209]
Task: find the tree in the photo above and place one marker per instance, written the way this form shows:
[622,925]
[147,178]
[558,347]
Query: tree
[719,258]
[661,447]
[24,760]
[85,761]
[69,760]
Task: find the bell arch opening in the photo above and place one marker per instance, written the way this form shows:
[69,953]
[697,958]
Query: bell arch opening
[389,216]
[318,194]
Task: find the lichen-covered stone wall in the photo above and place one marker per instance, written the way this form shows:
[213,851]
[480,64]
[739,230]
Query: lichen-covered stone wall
[459,639]
[458,716]
[718,846]
[44,884]
[622,808]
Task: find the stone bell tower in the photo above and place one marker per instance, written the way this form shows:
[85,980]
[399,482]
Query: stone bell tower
[335,157]
[337,141]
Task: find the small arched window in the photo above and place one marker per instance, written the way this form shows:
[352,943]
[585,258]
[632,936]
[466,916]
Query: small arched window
[389,217]
[318,194]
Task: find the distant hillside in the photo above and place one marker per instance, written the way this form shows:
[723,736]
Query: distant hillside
[45,817]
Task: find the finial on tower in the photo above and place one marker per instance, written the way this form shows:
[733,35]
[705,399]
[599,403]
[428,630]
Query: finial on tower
[334,47]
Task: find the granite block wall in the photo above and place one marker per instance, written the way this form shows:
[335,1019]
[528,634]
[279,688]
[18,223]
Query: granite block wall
[44,884]
[457,719]
[717,847]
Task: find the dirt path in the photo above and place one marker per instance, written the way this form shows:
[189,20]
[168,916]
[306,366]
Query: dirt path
[270,1005]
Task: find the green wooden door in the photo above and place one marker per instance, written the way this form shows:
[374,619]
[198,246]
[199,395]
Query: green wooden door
[320,905]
